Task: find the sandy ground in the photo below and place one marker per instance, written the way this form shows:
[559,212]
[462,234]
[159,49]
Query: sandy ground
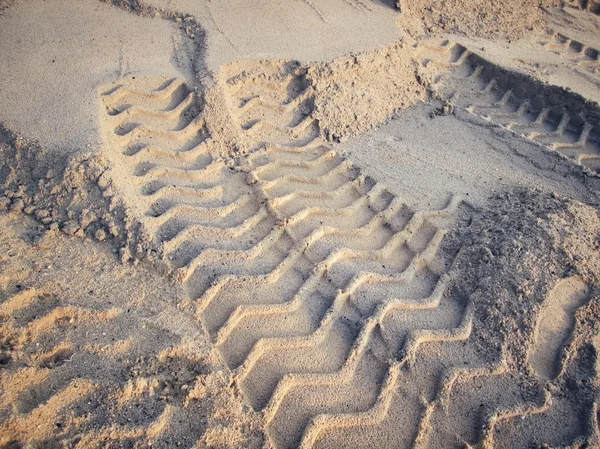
[314,223]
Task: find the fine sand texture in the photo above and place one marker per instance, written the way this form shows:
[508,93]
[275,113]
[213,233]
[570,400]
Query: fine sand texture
[309,224]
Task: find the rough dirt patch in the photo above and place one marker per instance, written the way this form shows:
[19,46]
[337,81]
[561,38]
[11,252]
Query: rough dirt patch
[71,193]
[96,354]
[514,254]
[508,19]
[515,251]
[356,93]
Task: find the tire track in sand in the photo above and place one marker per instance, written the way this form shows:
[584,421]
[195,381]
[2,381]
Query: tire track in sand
[330,300]
[586,5]
[363,286]
[316,283]
[547,115]
[577,53]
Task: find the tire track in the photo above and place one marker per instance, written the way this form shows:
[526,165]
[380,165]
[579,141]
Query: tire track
[575,52]
[193,204]
[273,103]
[58,363]
[332,317]
[329,299]
[312,279]
[547,115]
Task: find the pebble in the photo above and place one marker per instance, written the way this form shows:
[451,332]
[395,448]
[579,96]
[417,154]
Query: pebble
[29,210]
[4,203]
[70,228]
[42,213]
[17,205]
[100,235]
[125,254]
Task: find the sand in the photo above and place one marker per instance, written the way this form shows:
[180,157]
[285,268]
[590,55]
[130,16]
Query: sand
[323,224]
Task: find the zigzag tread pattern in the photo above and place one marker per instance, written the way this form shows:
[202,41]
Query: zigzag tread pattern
[330,299]
[321,338]
[548,115]
[310,276]
[195,207]
[574,51]
[358,335]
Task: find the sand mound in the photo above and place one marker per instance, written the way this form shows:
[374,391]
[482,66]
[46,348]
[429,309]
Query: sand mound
[507,20]
[357,93]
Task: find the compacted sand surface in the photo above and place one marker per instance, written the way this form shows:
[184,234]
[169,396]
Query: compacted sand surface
[314,223]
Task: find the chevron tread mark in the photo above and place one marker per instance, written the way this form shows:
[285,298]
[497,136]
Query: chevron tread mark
[574,51]
[548,115]
[587,5]
[272,102]
[270,345]
[193,203]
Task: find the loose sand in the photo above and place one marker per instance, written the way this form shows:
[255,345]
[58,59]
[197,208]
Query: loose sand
[324,223]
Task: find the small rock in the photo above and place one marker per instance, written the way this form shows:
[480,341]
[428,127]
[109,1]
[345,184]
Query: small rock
[100,235]
[4,203]
[114,230]
[80,233]
[17,205]
[46,220]
[125,254]
[87,217]
[70,227]
[42,213]
[29,210]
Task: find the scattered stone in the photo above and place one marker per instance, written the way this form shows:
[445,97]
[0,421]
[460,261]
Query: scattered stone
[87,217]
[4,203]
[29,210]
[100,235]
[113,229]
[70,227]
[17,205]
[125,254]
[42,213]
